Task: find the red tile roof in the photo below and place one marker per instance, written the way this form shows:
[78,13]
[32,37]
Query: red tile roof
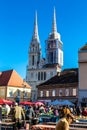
[11,78]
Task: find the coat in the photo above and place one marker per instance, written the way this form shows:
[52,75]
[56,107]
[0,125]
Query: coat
[19,112]
[62,124]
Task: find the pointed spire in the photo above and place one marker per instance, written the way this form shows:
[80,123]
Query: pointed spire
[54,27]
[35,33]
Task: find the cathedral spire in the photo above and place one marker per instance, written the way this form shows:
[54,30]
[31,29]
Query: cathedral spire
[35,33]
[54,26]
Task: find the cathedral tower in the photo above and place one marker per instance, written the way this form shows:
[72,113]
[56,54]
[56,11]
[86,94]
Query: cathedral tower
[54,52]
[41,69]
[35,48]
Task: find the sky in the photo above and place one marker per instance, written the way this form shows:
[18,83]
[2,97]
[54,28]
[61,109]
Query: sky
[17,23]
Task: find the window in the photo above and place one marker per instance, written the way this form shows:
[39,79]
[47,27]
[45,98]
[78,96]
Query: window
[18,93]
[11,93]
[53,93]
[74,91]
[47,93]
[51,57]
[32,60]
[25,94]
[32,74]
[41,75]
[44,75]
[60,92]
[38,75]
[41,93]
[67,92]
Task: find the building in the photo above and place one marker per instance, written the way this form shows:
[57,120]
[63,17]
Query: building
[13,87]
[82,60]
[63,86]
[41,69]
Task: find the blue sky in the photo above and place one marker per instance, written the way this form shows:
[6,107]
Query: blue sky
[16,29]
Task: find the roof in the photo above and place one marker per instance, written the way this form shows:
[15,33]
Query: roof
[66,76]
[84,47]
[12,78]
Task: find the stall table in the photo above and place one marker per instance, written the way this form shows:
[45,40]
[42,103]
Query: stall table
[7,125]
[52,127]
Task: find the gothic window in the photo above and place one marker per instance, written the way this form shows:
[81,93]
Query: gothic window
[53,93]
[51,57]
[32,60]
[41,75]
[44,75]
[38,75]
[41,93]
[47,93]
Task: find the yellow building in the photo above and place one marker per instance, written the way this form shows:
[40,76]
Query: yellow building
[13,87]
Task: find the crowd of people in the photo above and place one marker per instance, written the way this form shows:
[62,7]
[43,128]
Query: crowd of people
[25,115]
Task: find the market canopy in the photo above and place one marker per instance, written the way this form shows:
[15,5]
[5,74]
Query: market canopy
[67,102]
[26,103]
[64,102]
[56,102]
[3,101]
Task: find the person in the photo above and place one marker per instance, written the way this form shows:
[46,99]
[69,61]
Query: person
[0,113]
[7,109]
[63,123]
[31,115]
[19,113]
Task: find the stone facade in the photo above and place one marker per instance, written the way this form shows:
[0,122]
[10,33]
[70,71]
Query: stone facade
[41,69]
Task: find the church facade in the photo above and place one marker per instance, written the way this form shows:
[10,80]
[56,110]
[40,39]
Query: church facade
[41,69]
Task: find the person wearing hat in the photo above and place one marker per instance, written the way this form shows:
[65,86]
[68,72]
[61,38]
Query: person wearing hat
[19,113]
[63,123]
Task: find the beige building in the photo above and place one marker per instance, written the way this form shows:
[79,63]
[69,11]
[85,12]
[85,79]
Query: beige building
[13,87]
[82,60]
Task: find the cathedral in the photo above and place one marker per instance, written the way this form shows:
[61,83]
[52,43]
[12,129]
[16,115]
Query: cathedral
[41,69]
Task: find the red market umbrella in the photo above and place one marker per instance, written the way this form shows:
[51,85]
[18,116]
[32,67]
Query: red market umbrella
[26,103]
[3,101]
[39,103]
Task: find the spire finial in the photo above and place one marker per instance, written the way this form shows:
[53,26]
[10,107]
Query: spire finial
[35,34]
[54,27]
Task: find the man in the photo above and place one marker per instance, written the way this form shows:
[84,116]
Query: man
[19,113]
[63,123]
[31,115]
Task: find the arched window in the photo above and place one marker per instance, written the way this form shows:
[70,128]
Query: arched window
[44,75]
[38,75]
[41,75]
[32,60]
